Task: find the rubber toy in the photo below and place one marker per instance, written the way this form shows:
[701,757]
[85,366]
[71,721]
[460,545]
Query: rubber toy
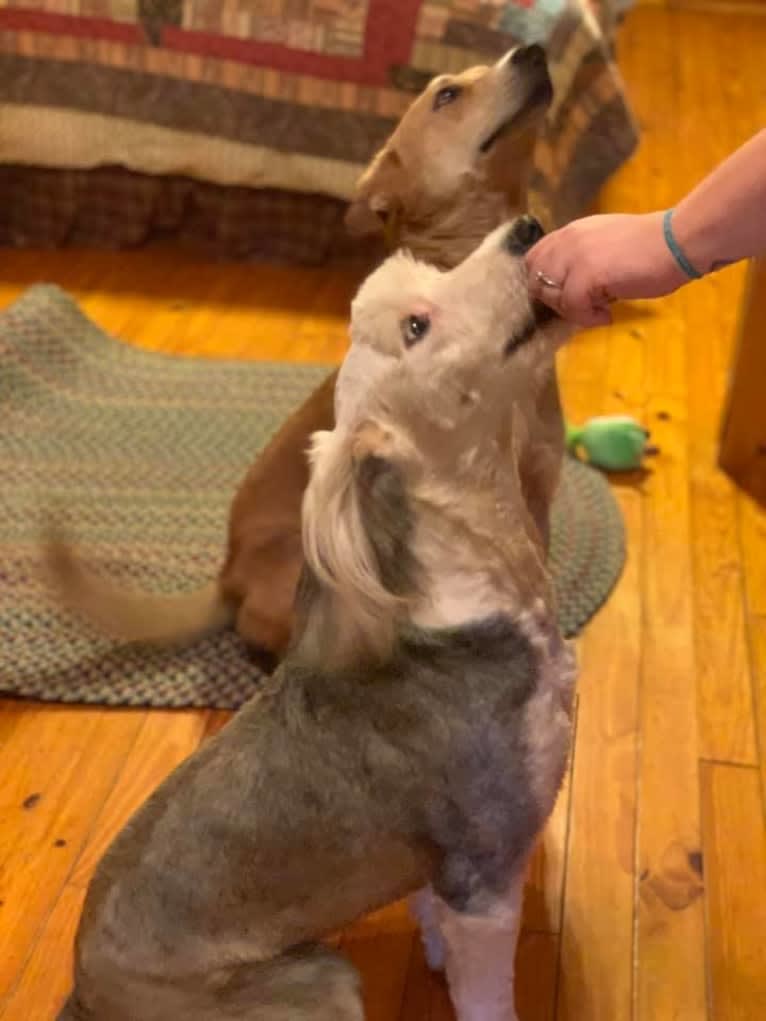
[611,442]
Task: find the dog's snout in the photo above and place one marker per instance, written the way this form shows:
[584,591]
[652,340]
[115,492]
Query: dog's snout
[529,57]
[524,232]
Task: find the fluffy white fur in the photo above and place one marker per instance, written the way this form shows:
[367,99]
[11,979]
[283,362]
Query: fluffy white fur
[418,407]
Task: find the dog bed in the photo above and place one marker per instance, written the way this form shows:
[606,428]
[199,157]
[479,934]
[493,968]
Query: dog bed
[139,455]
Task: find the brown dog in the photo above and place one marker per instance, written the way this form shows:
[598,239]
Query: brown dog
[455,167]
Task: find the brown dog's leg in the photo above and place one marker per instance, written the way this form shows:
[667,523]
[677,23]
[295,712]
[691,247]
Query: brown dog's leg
[265,556]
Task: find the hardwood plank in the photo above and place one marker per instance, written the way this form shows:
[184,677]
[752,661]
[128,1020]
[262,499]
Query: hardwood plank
[669,972]
[536,968]
[624,384]
[164,740]
[755,477]
[670,977]
[323,331]
[735,890]
[724,692]
[598,907]
[599,868]
[543,893]
[43,988]
[710,311]
[743,435]
[752,520]
[313,328]
[168,299]
[724,684]
[599,890]
[724,7]
[58,766]
[757,629]
[585,356]
[581,398]
[669,951]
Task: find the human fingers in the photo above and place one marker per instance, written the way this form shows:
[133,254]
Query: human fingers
[583,303]
[544,286]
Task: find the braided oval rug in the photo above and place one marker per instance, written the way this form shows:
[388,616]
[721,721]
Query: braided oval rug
[140,454]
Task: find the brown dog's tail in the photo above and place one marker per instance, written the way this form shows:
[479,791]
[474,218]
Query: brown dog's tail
[148,618]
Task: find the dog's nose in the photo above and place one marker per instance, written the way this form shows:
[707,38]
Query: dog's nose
[524,232]
[529,57]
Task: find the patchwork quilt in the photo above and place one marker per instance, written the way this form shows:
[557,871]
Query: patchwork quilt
[159,108]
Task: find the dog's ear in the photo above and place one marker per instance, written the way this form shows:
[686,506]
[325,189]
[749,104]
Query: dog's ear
[356,534]
[376,204]
[356,519]
[386,514]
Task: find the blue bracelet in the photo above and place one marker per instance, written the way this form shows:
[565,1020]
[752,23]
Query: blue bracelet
[675,248]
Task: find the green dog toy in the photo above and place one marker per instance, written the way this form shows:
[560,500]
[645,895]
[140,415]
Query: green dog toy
[611,442]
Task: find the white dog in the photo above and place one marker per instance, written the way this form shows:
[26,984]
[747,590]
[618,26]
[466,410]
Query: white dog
[415,736]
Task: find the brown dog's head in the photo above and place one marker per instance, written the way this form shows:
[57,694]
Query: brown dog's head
[458,161]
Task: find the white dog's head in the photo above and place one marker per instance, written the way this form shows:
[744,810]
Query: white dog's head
[426,425]
[446,347]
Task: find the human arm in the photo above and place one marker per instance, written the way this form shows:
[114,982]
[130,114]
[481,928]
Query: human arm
[602,258]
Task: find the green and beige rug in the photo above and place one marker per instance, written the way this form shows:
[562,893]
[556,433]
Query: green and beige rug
[140,453]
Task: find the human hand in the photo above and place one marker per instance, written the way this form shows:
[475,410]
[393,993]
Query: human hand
[597,260]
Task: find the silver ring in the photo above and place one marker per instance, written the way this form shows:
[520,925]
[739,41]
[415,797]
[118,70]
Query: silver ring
[546,281]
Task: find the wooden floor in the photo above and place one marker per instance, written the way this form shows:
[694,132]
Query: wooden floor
[648,896]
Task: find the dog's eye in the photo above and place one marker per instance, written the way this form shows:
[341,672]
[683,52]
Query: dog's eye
[446,95]
[414,328]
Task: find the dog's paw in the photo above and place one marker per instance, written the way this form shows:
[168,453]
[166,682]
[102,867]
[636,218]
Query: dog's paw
[434,948]
[423,907]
